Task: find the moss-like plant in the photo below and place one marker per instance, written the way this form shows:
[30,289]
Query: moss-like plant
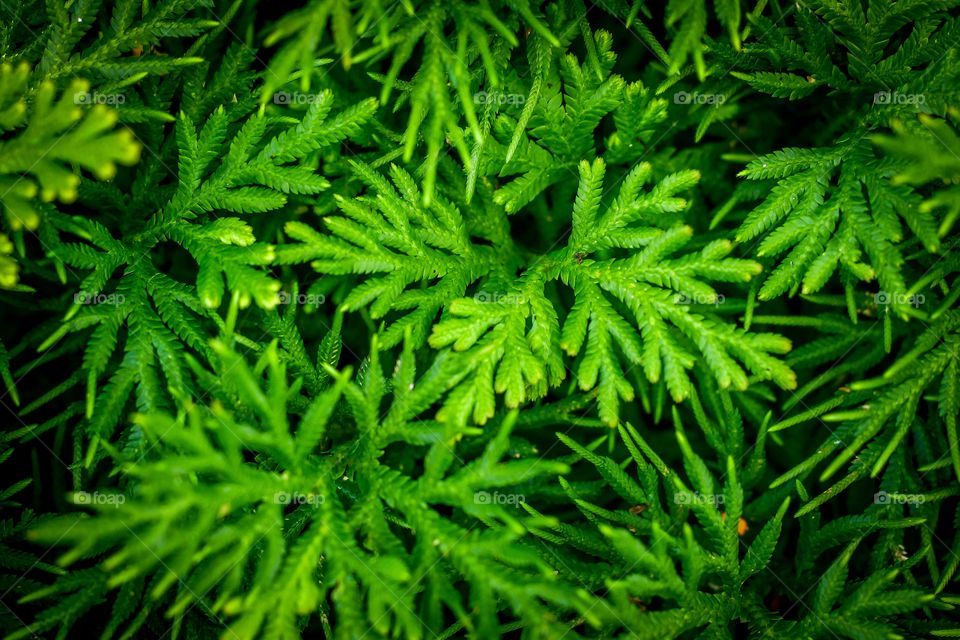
[444,318]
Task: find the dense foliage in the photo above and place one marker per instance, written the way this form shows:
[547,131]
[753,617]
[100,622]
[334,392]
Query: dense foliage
[453,318]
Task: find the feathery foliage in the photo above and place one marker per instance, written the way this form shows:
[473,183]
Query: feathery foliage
[438,319]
